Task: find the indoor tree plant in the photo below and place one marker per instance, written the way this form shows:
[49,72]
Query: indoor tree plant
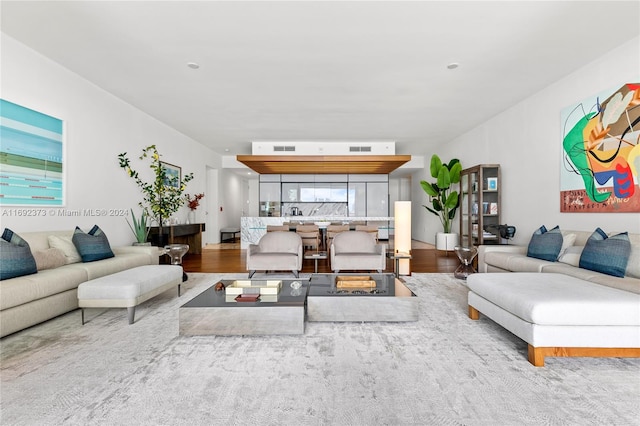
[163,196]
[444,199]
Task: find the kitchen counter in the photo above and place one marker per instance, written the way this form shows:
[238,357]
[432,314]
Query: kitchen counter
[253,228]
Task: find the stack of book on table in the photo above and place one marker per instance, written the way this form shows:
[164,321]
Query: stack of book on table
[253,291]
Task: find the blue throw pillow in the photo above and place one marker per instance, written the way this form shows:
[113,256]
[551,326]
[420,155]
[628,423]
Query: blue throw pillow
[92,246]
[608,255]
[545,244]
[15,256]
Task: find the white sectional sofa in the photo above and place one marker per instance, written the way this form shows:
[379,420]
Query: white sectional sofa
[32,299]
[558,308]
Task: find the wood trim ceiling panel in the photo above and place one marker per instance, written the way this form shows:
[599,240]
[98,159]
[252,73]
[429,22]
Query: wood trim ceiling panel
[323,164]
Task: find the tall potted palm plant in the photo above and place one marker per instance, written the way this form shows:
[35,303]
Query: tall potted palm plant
[444,198]
[163,196]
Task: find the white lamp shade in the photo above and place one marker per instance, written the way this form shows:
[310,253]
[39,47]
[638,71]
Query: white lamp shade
[402,236]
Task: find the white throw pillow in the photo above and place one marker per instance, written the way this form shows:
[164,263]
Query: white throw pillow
[571,256]
[567,241]
[66,245]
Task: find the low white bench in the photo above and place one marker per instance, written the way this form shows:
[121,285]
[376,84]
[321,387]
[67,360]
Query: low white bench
[129,288]
[232,231]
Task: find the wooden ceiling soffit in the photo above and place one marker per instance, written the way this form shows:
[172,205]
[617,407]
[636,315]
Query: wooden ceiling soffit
[323,164]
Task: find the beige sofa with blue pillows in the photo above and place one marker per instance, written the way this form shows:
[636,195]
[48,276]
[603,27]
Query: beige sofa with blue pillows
[513,258]
[558,306]
[31,299]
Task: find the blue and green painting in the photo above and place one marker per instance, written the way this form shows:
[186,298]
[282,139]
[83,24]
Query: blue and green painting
[31,157]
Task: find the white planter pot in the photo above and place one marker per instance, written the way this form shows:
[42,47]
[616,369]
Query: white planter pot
[446,241]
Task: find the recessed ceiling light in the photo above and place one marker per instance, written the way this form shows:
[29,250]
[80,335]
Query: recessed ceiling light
[226,150]
[193,65]
[453,65]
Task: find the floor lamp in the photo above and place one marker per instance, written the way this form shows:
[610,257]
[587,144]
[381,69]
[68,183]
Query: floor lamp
[402,236]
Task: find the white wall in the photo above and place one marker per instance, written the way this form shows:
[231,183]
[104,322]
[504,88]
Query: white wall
[98,127]
[232,188]
[252,203]
[526,141]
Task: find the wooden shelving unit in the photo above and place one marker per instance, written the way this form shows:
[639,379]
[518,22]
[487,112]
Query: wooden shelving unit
[480,204]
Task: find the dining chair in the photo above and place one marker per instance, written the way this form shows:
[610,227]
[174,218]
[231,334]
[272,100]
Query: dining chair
[370,229]
[310,235]
[333,230]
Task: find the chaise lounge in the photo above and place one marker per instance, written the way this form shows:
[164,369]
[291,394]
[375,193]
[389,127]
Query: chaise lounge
[558,307]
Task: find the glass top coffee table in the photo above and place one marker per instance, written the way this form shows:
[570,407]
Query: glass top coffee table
[360,297]
[213,312]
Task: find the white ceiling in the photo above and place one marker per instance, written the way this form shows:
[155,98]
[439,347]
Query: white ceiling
[322,71]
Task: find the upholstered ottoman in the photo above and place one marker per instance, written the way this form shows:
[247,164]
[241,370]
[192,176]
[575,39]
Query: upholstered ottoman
[559,315]
[128,289]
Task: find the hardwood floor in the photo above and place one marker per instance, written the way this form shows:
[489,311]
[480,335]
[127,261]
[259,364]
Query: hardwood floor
[234,260]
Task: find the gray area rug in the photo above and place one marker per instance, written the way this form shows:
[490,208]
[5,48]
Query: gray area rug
[444,369]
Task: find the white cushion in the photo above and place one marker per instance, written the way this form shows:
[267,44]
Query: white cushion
[567,241]
[571,256]
[66,245]
[515,262]
[555,299]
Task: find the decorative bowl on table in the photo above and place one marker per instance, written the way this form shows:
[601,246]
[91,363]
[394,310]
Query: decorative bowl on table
[322,224]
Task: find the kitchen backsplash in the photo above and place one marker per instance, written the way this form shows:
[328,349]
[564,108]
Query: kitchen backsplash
[314,209]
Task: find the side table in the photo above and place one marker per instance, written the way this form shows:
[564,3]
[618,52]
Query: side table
[175,252]
[315,255]
[466,255]
[397,256]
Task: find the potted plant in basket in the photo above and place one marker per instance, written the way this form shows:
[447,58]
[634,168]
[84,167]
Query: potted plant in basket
[163,196]
[444,199]
[139,228]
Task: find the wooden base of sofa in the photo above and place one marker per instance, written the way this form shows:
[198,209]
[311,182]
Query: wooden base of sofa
[474,314]
[536,355]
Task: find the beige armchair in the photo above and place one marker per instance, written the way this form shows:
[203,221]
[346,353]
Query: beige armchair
[357,250]
[276,251]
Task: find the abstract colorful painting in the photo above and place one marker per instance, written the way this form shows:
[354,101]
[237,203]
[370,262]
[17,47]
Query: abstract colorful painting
[601,153]
[31,157]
